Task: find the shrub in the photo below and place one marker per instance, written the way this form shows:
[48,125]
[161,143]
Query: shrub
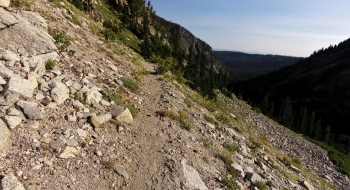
[133,110]
[26,4]
[226,158]
[260,185]
[256,109]
[207,142]
[62,40]
[130,84]
[50,64]
[79,97]
[229,181]
[285,161]
[185,122]
[167,113]
[269,183]
[210,119]
[254,144]
[222,118]
[230,147]
[108,34]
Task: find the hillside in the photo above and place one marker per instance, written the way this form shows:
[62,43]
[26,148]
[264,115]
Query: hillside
[79,110]
[318,83]
[243,66]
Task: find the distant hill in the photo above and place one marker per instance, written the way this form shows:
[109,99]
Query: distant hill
[243,66]
[319,83]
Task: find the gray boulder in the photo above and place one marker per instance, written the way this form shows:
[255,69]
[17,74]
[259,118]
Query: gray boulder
[10,182]
[4,3]
[193,180]
[93,96]
[4,135]
[59,93]
[19,86]
[6,18]
[25,35]
[5,72]
[238,168]
[96,121]
[121,114]
[30,110]
[35,19]
[8,55]
[307,185]
[12,121]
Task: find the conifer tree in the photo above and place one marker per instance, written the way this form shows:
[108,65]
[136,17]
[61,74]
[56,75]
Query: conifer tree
[302,120]
[285,115]
[318,130]
[326,134]
[311,125]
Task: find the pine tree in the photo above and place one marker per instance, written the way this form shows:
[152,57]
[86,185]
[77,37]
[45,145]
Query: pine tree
[285,115]
[302,120]
[326,134]
[318,130]
[311,125]
[265,105]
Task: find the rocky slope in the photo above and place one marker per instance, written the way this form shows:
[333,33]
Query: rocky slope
[68,128]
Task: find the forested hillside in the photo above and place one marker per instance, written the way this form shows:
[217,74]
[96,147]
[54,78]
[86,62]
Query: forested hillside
[243,66]
[170,46]
[311,97]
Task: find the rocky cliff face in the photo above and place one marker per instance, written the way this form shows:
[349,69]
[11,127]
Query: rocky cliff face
[188,39]
[75,126]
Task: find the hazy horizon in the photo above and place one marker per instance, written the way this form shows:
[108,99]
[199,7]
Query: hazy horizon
[292,28]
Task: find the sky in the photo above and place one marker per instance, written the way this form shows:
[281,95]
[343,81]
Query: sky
[283,27]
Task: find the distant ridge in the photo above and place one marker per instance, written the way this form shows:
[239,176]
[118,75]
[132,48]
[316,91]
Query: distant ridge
[243,66]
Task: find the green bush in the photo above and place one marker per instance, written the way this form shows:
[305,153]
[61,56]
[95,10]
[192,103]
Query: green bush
[260,185]
[256,109]
[185,122]
[226,158]
[130,84]
[269,183]
[210,119]
[207,142]
[50,64]
[230,147]
[108,34]
[62,40]
[229,181]
[254,144]
[222,118]
[26,4]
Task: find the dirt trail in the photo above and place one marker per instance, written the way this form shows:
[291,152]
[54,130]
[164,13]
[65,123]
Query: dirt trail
[149,170]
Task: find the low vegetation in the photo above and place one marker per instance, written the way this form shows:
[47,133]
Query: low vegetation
[50,64]
[230,147]
[340,159]
[260,185]
[207,142]
[181,117]
[130,84]
[229,181]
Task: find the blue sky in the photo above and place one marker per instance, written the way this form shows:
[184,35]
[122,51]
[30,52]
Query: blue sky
[296,28]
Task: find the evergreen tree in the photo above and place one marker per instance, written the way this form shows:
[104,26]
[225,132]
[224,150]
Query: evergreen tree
[285,115]
[302,121]
[311,125]
[318,130]
[265,105]
[271,109]
[326,134]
